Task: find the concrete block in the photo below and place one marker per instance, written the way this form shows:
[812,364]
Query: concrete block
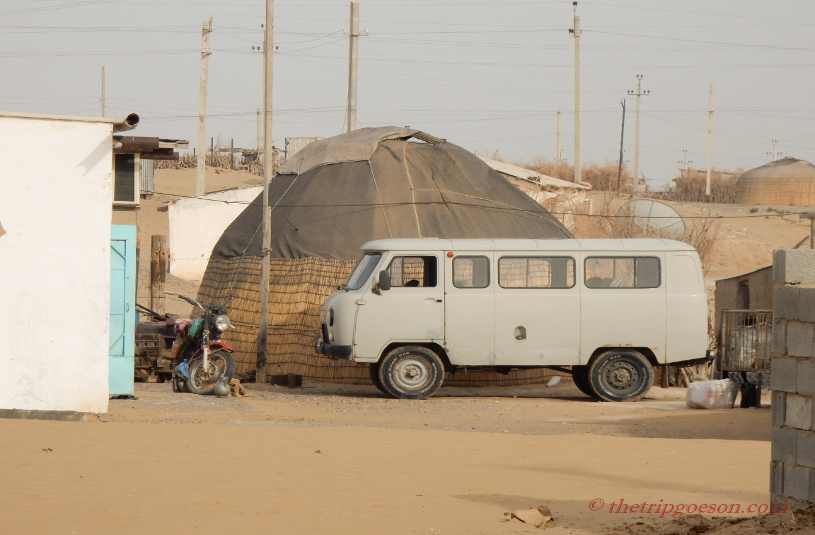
[776,477]
[785,302]
[805,377]
[784,370]
[779,337]
[806,449]
[794,266]
[785,504]
[800,337]
[778,407]
[806,303]
[784,444]
[796,481]
[798,412]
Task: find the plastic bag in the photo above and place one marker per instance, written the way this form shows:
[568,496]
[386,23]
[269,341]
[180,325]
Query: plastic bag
[712,394]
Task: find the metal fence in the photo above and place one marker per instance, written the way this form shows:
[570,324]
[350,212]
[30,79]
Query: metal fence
[747,340]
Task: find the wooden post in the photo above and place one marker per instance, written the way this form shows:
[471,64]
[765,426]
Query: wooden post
[811,217]
[158,272]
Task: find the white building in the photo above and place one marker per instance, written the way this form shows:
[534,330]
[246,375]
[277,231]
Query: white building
[196,224]
[55,260]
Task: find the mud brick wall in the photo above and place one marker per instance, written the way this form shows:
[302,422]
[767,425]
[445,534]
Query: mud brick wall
[792,470]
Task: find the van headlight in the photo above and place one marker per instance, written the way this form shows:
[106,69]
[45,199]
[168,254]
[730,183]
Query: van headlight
[330,317]
[331,336]
[222,322]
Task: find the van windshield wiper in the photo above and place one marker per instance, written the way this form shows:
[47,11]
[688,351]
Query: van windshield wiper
[343,287]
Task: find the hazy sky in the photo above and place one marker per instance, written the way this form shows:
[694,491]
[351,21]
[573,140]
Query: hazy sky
[487,75]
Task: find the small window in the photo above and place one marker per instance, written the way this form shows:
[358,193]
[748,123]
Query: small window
[622,272]
[535,272]
[471,272]
[413,271]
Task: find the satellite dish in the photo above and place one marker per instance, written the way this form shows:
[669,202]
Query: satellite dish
[657,218]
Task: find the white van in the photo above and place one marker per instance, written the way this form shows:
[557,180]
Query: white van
[610,309]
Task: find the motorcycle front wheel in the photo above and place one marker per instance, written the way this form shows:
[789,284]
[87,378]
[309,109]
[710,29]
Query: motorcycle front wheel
[220,364]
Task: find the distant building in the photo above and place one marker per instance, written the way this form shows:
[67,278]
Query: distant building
[561,197]
[784,182]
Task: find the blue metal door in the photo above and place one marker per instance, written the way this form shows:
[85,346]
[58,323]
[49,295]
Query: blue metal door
[122,308]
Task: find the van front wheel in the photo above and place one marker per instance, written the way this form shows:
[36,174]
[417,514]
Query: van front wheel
[621,375]
[411,372]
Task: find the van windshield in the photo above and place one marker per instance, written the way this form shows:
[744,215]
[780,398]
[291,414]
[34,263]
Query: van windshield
[363,270]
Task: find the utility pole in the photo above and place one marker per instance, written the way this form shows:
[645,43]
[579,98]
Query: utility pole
[268,170]
[683,172]
[709,142]
[774,153]
[201,160]
[622,136]
[557,155]
[102,100]
[353,59]
[576,32]
[260,131]
[636,178]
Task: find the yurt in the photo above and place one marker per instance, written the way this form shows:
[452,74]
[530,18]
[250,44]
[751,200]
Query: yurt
[330,198]
[784,182]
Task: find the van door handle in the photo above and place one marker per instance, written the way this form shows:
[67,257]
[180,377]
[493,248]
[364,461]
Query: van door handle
[432,300]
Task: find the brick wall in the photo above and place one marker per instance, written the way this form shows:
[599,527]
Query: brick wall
[792,469]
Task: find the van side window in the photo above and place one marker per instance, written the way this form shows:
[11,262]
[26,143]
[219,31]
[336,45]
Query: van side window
[413,271]
[622,272]
[471,272]
[535,272]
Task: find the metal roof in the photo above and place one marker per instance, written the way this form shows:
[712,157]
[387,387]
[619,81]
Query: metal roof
[119,125]
[531,176]
[435,244]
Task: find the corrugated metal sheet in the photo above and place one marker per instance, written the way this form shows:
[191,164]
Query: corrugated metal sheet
[296,144]
[146,176]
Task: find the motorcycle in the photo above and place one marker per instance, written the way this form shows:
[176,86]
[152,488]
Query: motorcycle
[200,358]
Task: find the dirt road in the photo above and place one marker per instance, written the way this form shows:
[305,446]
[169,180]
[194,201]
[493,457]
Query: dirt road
[343,459]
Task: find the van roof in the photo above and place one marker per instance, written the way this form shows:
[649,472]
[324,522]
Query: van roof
[436,244]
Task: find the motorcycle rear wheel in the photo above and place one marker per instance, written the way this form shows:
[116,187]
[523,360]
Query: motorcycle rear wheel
[203,382]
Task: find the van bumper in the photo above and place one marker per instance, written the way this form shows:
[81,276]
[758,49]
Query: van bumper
[335,351]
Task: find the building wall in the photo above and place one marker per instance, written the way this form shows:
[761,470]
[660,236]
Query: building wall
[792,468]
[760,287]
[55,265]
[196,226]
[778,191]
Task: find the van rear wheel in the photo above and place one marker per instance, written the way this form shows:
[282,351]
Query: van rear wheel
[580,376]
[411,372]
[620,375]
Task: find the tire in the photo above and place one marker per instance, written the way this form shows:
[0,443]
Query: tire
[411,372]
[221,363]
[580,376]
[620,375]
[180,386]
[374,371]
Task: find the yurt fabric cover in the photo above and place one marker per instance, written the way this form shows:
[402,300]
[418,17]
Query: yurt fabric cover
[341,192]
[328,200]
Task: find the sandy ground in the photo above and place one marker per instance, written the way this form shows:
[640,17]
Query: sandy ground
[346,460]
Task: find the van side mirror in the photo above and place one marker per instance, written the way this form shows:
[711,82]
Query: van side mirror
[384,280]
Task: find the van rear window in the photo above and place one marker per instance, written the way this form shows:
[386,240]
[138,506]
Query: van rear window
[535,272]
[622,272]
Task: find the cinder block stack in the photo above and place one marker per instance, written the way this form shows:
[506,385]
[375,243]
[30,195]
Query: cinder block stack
[792,470]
